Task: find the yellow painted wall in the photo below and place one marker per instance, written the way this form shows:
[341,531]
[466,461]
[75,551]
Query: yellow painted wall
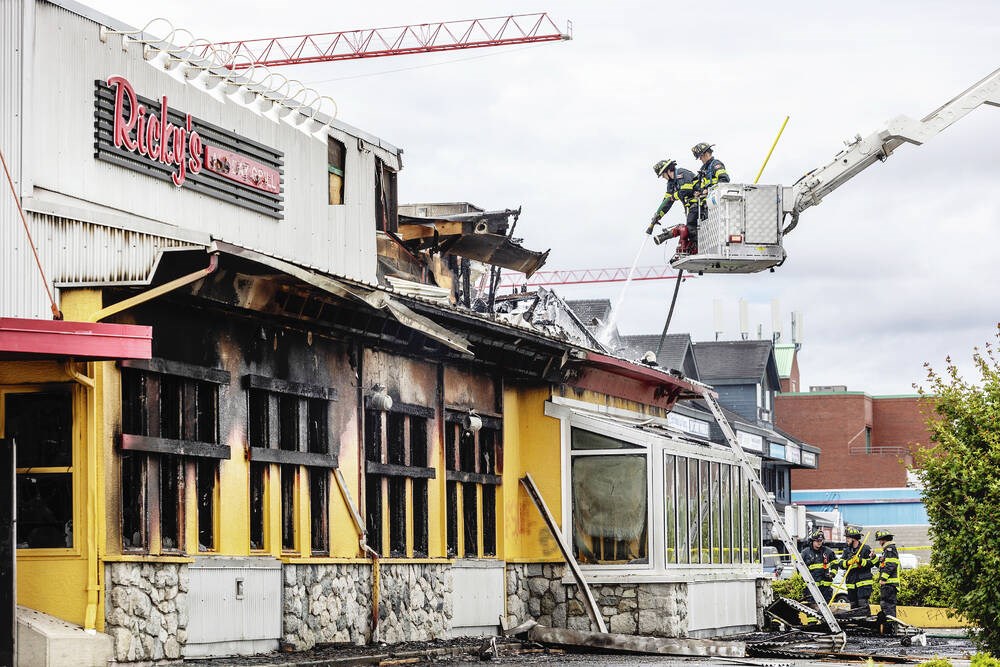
[531,444]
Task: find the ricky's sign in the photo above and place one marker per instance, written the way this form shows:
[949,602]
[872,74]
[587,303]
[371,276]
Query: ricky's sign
[149,136]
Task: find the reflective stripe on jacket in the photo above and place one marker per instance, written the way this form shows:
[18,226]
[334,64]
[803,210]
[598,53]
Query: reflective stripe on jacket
[888,565]
[679,188]
[861,574]
[712,173]
[818,562]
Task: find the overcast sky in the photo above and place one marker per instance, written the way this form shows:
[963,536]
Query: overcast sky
[897,268]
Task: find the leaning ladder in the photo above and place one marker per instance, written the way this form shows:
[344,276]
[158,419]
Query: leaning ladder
[778,523]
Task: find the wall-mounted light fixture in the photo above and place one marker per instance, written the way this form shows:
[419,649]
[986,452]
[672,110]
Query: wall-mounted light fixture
[380,399]
[472,422]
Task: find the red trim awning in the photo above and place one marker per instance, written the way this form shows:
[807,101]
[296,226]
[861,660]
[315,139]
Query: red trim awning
[628,380]
[28,339]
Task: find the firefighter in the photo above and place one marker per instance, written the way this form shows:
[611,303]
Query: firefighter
[888,572]
[712,172]
[680,188]
[858,560]
[819,558]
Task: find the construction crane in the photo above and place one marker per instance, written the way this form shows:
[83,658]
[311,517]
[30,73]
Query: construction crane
[587,276]
[393,41]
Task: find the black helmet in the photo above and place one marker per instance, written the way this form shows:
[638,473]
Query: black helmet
[816,535]
[852,532]
[884,535]
[663,165]
[700,148]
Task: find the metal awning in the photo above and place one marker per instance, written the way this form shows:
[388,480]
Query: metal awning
[31,339]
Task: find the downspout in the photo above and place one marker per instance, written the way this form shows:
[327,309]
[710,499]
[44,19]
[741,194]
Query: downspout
[93,452]
[158,291]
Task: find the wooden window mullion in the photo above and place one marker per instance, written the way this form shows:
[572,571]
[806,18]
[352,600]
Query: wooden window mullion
[273,421]
[153,404]
[152,517]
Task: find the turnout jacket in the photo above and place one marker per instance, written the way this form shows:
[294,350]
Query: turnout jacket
[888,565]
[712,173]
[679,188]
[819,562]
[861,574]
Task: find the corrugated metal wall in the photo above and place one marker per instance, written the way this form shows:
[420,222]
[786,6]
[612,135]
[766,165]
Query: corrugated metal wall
[65,175]
[221,610]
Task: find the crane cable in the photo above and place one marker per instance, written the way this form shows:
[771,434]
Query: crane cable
[56,315]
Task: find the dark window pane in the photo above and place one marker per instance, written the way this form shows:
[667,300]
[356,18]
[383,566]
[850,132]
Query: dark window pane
[42,427]
[133,501]
[171,488]
[317,411]
[206,504]
[467,452]
[450,448]
[489,520]
[335,153]
[257,471]
[288,507]
[171,388]
[418,442]
[394,434]
[588,440]
[373,512]
[288,416]
[134,402]
[488,439]
[373,435]
[452,494]
[319,509]
[397,516]
[207,396]
[470,514]
[420,518]
[44,511]
[257,408]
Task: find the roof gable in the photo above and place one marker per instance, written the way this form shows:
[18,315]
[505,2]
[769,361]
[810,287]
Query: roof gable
[729,362]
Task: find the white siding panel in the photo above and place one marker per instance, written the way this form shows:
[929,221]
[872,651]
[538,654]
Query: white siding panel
[234,600]
[69,57]
[721,604]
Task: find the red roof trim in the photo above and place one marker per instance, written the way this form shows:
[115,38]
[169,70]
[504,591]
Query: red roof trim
[642,373]
[40,339]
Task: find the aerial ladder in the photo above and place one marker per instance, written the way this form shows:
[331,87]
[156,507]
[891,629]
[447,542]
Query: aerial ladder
[746,223]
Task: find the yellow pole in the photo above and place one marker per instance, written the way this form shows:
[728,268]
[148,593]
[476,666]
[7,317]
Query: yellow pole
[771,151]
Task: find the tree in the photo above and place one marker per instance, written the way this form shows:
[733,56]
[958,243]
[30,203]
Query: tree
[961,478]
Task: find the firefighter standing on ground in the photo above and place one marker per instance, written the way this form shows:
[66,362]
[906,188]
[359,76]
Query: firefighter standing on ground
[818,558]
[857,559]
[681,185]
[712,172]
[888,572]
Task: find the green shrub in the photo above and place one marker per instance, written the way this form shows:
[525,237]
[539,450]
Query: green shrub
[984,660]
[793,589]
[936,662]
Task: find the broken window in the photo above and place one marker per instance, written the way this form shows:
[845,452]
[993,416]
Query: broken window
[206,482]
[170,435]
[386,205]
[319,510]
[472,465]
[335,161]
[288,424]
[258,471]
[396,469]
[41,426]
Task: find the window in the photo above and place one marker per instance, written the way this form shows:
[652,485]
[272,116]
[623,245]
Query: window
[473,462]
[335,160]
[289,425]
[41,426]
[396,478]
[170,439]
[642,500]
[386,205]
[610,516]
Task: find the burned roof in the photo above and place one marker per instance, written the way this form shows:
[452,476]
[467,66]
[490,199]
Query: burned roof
[672,355]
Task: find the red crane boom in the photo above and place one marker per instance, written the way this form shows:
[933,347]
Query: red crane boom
[394,41]
[588,276]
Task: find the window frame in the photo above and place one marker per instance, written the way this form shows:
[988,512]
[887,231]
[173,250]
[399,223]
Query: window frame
[302,462]
[456,481]
[153,451]
[617,423]
[76,512]
[387,479]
